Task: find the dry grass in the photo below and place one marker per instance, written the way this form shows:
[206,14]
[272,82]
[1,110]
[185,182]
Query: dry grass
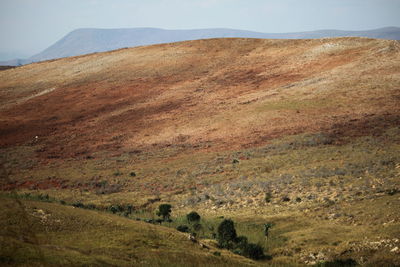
[312,121]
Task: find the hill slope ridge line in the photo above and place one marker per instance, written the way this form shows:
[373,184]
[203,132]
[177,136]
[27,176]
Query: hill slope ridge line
[91,40]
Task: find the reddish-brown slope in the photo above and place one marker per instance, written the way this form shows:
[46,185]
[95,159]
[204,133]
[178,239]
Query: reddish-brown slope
[226,92]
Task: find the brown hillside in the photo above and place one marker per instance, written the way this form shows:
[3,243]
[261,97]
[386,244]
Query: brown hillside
[219,93]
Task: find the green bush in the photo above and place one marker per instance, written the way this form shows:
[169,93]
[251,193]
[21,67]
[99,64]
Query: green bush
[193,217]
[164,211]
[268,197]
[117,173]
[241,242]
[183,228]
[197,227]
[253,251]
[78,205]
[226,234]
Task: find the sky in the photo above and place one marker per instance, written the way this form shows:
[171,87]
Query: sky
[29,26]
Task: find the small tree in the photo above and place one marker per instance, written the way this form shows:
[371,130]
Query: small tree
[164,211]
[226,234]
[193,217]
[267,226]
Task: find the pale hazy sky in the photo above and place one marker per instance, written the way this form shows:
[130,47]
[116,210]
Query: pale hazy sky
[30,26]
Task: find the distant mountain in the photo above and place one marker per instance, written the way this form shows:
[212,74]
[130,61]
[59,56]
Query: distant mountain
[85,41]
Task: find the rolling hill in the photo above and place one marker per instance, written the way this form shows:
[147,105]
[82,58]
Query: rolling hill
[85,41]
[300,133]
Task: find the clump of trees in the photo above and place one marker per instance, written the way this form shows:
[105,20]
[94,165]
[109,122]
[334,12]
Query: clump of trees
[227,238]
[193,219]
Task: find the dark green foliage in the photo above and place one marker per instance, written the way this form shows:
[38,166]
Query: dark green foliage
[268,197]
[132,174]
[90,206]
[164,211]
[113,209]
[253,251]
[226,234]
[78,205]
[241,242]
[183,228]
[249,250]
[235,161]
[197,227]
[392,192]
[193,217]
[217,253]
[117,173]
[267,226]
[129,208]
[227,238]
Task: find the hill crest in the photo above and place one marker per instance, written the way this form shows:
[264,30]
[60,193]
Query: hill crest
[90,40]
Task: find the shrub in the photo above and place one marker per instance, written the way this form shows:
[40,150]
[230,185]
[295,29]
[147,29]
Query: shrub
[164,210]
[253,251]
[241,242]
[183,228]
[193,217]
[113,209]
[90,206]
[226,234]
[338,263]
[132,174]
[78,205]
[129,209]
[117,173]
[197,227]
[268,197]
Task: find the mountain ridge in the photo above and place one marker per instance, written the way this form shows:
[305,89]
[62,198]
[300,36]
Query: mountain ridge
[90,40]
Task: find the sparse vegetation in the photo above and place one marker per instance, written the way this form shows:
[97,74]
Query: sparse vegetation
[312,150]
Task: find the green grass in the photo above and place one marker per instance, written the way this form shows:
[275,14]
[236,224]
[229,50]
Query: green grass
[38,233]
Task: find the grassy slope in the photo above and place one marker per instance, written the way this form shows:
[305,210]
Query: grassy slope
[35,233]
[314,119]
